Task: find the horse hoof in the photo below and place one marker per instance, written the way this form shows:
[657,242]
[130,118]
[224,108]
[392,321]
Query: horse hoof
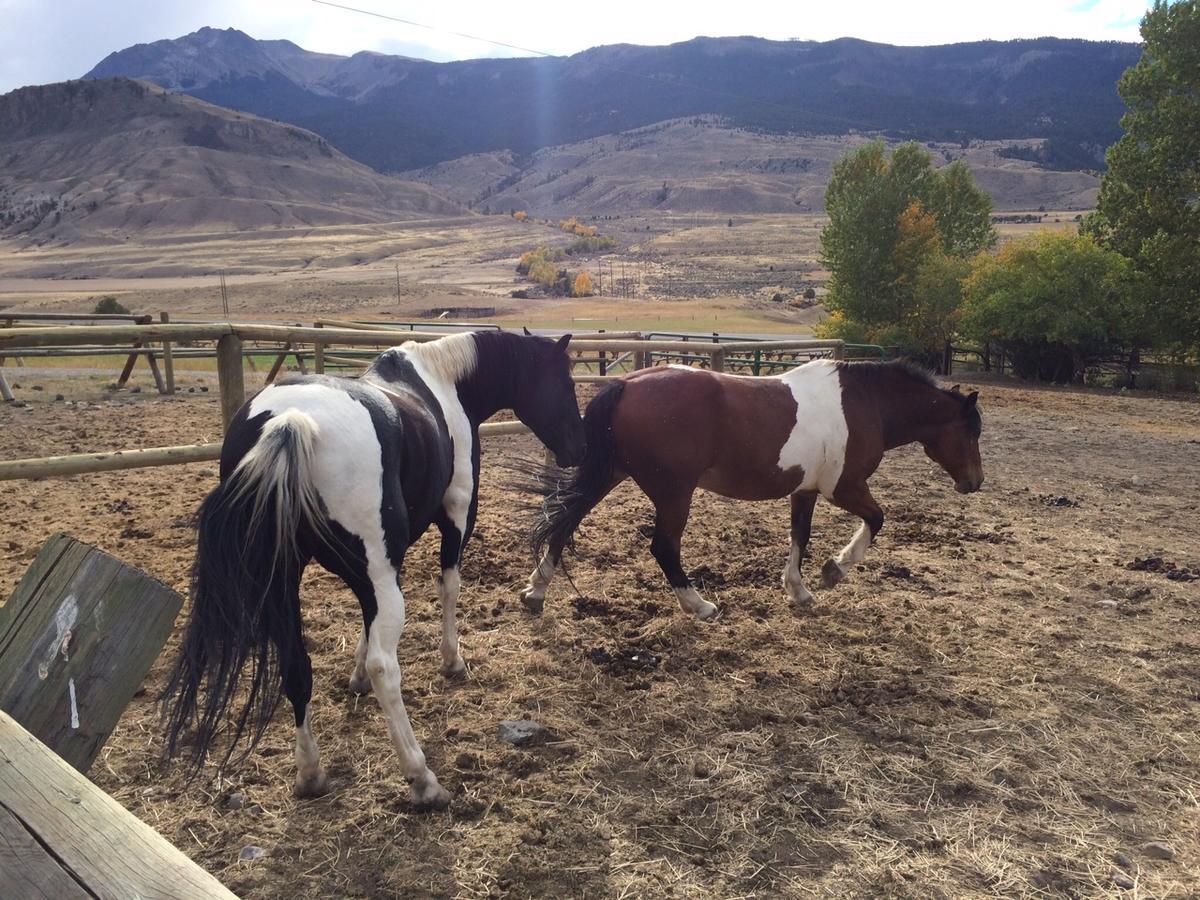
[802,606]
[707,612]
[360,685]
[831,574]
[431,797]
[456,669]
[535,603]
[313,786]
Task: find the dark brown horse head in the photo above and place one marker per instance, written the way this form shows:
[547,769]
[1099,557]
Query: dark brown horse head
[954,444]
[545,398]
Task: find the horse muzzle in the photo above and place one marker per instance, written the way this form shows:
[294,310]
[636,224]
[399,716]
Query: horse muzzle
[969,485]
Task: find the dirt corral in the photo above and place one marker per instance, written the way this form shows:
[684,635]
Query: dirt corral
[994,703]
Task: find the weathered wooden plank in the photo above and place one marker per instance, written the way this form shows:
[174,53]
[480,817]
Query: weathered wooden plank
[109,851]
[30,871]
[77,638]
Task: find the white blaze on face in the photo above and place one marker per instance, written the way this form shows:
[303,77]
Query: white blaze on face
[817,443]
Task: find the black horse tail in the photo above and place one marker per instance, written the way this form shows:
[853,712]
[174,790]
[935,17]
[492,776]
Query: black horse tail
[244,591]
[569,499]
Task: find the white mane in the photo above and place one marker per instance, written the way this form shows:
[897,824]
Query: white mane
[451,358]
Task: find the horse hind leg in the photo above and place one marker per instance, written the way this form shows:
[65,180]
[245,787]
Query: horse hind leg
[533,595]
[671,515]
[857,500]
[384,670]
[311,780]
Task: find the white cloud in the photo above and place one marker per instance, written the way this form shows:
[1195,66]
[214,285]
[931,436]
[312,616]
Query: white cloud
[52,40]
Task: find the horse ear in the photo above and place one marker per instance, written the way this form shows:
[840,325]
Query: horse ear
[957,389]
[972,398]
[528,333]
[562,343]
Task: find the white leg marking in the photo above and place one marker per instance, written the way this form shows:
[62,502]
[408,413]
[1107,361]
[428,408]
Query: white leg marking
[534,593]
[691,601]
[360,683]
[384,670]
[448,588]
[793,584]
[310,777]
[855,551]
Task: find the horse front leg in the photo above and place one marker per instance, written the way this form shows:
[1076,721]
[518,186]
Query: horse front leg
[802,513]
[855,498]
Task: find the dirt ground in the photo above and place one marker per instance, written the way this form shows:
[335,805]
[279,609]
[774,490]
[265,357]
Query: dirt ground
[993,704]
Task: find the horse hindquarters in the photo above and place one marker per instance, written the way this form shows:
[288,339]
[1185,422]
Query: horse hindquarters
[245,596]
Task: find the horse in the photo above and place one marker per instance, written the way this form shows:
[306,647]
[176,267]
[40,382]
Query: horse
[820,430]
[349,472]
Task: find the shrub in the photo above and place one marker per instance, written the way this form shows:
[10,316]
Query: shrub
[591,244]
[110,306]
[1056,303]
[520,215]
[582,286]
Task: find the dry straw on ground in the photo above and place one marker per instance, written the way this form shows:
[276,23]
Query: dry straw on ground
[959,718]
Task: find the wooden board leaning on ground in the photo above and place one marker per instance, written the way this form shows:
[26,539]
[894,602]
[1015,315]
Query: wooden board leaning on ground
[77,638]
[62,837]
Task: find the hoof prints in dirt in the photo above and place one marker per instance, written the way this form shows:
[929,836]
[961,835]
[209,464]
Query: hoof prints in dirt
[625,661]
[1057,501]
[595,608]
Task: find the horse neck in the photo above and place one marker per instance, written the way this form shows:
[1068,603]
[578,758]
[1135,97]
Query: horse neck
[492,385]
[910,410]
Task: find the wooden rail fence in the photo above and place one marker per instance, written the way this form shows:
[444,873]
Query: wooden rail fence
[231,338]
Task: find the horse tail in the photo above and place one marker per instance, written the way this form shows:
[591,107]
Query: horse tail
[244,590]
[567,501]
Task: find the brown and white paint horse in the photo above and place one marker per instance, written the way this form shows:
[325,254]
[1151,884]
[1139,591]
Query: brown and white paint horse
[819,430]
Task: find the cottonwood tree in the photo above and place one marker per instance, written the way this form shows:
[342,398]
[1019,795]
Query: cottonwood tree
[1149,204]
[898,225]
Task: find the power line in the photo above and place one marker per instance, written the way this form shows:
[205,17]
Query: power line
[461,34]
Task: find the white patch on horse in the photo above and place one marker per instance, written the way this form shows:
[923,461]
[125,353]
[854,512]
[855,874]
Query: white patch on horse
[855,551]
[817,444]
[441,365]
[691,601]
[793,583]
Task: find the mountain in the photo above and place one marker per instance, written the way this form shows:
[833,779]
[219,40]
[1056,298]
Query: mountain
[114,157]
[702,164]
[395,113]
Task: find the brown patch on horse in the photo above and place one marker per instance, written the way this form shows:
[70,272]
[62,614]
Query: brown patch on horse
[699,428]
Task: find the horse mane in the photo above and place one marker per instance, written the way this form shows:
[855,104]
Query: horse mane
[905,368]
[451,358]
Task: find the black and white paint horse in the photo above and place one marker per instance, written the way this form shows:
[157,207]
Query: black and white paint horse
[349,472]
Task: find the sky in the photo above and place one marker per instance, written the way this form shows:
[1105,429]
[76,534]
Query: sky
[43,41]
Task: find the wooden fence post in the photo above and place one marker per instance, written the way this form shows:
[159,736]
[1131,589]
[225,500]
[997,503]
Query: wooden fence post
[168,356]
[838,351]
[76,640]
[717,363]
[229,373]
[603,358]
[318,355]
